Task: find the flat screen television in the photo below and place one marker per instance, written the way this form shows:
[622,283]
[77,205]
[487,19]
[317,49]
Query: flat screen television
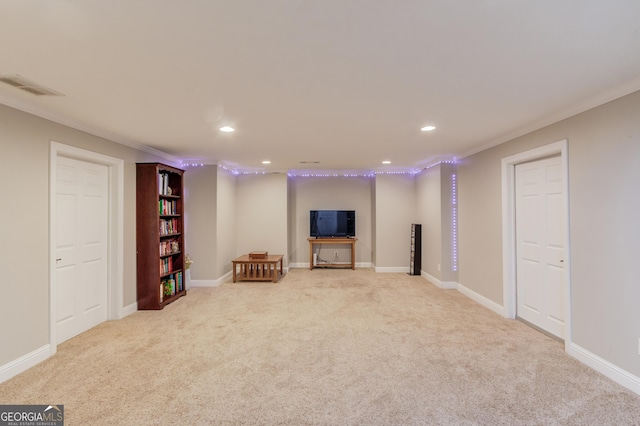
[332,223]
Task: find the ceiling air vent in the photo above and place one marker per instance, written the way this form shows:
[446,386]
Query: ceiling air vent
[22,83]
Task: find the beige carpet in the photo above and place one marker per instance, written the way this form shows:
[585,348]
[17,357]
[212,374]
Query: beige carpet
[322,347]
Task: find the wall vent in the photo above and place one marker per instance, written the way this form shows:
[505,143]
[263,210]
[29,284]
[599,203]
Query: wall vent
[22,83]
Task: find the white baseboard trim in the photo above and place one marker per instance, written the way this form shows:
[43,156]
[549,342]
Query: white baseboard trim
[129,309]
[305,265]
[605,368]
[384,269]
[447,285]
[223,279]
[204,283]
[212,283]
[452,285]
[602,366]
[487,303]
[24,363]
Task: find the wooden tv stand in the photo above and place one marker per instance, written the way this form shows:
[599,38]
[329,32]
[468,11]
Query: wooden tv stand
[337,240]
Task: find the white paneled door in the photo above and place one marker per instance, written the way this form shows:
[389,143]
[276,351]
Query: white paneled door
[80,246]
[540,245]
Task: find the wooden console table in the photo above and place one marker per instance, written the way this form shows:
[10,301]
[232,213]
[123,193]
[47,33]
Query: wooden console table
[350,241]
[257,269]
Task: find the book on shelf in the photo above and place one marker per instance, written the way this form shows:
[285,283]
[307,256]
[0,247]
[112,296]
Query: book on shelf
[160,240]
[163,183]
[167,207]
[171,285]
[169,247]
[166,265]
[169,226]
[168,286]
[179,281]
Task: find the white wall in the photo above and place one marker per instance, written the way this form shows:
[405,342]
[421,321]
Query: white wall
[604,206]
[24,255]
[201,216]
[395,211]
[226,222]
[434,191]
[430,216]
[448,173]
[210,221]
[604,177]
[262,214]
[329,193]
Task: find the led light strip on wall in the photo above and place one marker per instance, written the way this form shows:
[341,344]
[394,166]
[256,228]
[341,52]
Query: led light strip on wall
[371,174]
[454,220]
[323,173]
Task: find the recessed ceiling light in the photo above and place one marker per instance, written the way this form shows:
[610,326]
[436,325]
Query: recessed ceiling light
[386,162]
[266,162]
[428,128]
[227,129]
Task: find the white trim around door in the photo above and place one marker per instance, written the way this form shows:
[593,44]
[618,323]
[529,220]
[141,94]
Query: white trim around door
[509,230]
[115,232]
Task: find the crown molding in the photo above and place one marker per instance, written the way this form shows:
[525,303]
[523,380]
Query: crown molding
[58,119]
[602,98]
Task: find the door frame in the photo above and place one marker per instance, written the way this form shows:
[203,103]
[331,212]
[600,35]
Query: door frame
[115,232]
[509,227]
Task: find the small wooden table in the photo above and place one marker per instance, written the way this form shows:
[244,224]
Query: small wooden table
[257,269]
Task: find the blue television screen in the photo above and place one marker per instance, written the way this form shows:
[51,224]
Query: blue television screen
[332,223]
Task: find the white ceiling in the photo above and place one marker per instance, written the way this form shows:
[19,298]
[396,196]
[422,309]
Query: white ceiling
[347,83]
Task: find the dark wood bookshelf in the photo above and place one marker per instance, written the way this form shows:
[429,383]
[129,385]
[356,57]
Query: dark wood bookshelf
[159,186]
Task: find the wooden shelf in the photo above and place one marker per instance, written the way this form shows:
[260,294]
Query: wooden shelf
[169,299]
[320,241]
[169,273]
[156,210]
[169,254]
